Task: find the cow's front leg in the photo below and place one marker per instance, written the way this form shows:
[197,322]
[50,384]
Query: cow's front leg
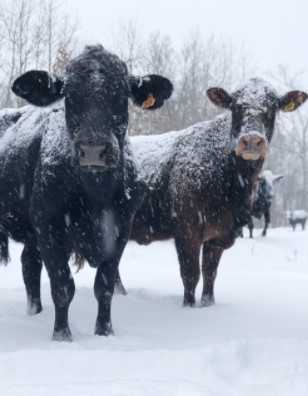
[103,289]
[31,270]
[267,220]
[55,255]
[210,259]
[188,253]
[107,271]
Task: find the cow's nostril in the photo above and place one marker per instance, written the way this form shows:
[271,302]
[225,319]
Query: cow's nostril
[103,152]
[81,153]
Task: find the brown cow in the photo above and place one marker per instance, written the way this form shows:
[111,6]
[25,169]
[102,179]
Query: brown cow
[200,180]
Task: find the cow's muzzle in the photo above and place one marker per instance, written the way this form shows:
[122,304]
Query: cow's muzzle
[251,147]
[97,157]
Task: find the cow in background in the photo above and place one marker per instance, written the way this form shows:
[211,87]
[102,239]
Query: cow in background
[297,217]
[262,196]
[200,180]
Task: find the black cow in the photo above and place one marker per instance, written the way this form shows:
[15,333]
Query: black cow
[262,196]
[68,180]
[298,216]
[201,179]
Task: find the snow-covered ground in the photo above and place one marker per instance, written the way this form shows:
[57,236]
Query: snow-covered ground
[253,342]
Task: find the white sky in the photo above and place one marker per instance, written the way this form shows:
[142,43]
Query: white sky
[274,31]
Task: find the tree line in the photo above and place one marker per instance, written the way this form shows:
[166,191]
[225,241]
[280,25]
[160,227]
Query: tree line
[41,34]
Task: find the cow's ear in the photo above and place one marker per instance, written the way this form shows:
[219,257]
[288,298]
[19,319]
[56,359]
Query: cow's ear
[150,92]
[219,97]
[292,100]
[277,178]
[38,87]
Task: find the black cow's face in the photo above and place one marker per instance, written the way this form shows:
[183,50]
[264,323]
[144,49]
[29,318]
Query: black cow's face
[265,190]
[96,95]
[266,184]
[254,108]
[96,89]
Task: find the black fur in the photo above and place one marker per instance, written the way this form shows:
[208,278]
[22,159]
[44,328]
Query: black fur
[38,87]
[4,249]
[262,197]
[294,220]
[140,87]
[52,203]
[260,206]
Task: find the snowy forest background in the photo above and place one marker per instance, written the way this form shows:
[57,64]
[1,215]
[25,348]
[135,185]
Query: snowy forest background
[41,34]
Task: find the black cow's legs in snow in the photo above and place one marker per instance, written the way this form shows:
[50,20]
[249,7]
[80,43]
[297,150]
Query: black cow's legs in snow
[107,274]
[267,220]
[55,257]
[31,270]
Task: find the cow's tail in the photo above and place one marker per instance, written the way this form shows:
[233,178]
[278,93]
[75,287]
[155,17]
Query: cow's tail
[4,249]
[78,259]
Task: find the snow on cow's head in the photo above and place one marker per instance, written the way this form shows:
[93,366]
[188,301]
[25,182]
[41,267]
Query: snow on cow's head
[254,107]
[96,88]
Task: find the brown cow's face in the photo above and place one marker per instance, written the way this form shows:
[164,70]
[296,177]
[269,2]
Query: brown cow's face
[253,115]
[254,108]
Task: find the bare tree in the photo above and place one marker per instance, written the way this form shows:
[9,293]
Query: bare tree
[158,57]
[15,19]
[32,33]
[126,42]
[289,153]
[204,63]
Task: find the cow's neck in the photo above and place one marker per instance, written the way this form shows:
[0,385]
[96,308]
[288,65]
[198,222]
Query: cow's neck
[99,188]
[244,177]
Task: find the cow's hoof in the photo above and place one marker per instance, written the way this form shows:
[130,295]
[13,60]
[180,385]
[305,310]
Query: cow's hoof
[103,330]
[189,304]
[62,335]
[207,301]
[34,308]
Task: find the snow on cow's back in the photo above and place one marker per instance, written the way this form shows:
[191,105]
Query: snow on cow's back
[17,138]
[9,117]
[202,158]
[194,150]
[46,123]
[152,152]
[298,214]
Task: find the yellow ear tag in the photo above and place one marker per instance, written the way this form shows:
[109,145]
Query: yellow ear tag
[149,102]
[290,106]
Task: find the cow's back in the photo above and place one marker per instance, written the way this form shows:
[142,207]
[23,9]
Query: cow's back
[179,168]
[19,148]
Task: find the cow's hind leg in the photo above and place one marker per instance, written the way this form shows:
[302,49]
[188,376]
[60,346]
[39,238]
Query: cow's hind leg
[31,271]
[210,259]
[267,220]
[250,227]
[188,254]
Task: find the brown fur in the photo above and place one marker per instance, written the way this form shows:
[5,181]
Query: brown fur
[201,193]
